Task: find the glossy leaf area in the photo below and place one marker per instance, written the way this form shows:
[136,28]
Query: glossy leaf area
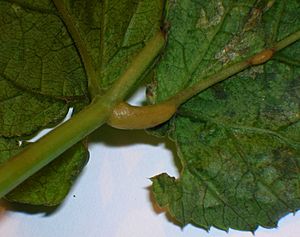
[239,141]
[55,55]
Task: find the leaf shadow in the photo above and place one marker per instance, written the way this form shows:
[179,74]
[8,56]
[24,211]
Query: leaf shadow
[26,208]
[116,138]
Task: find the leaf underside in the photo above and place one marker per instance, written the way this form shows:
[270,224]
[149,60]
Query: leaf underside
[239,141]
[44,48]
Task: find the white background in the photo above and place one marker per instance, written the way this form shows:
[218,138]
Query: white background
[111,198]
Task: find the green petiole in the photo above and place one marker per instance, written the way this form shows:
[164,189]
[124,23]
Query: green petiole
[125,116]
[39,154]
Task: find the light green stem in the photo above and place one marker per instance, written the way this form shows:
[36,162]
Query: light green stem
[287,41]
[37,155]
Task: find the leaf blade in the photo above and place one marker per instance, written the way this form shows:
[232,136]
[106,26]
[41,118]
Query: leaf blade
[233,138]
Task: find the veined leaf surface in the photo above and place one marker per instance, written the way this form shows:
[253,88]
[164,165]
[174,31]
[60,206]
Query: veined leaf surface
[239,141]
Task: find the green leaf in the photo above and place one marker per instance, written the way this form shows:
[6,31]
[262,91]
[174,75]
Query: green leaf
[23,113]
[8,147]
[51,184]
[40,71]
[239,141]
[37,53]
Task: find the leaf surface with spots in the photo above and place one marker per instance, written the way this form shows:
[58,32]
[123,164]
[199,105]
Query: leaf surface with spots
[239,141]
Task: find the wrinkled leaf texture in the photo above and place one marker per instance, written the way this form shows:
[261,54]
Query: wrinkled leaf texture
[239,141]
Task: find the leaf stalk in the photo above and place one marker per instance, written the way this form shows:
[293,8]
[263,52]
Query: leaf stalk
[37,155]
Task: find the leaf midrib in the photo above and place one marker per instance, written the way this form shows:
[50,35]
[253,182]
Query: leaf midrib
[85,57]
